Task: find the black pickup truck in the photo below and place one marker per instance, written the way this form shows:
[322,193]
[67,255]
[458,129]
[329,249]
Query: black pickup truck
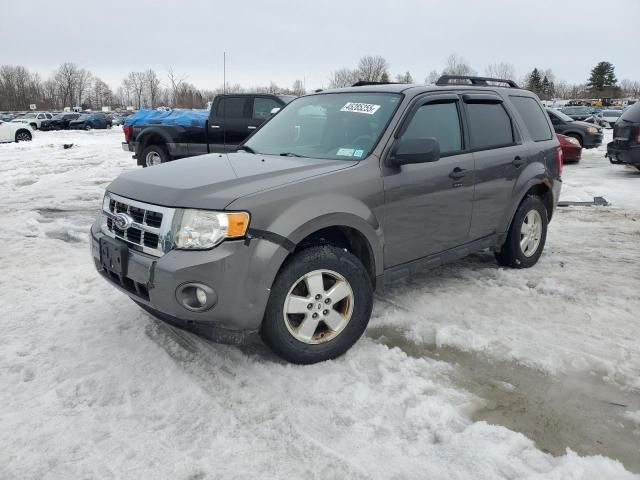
[232,119]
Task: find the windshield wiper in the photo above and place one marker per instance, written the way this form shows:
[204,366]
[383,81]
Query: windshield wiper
[289,154]
[246,149]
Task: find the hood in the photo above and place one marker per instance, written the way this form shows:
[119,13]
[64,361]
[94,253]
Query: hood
[213,181]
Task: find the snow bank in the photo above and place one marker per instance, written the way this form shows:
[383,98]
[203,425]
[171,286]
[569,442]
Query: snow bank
[91,387]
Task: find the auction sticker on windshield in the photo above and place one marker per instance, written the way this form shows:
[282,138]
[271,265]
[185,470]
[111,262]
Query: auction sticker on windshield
[368,108]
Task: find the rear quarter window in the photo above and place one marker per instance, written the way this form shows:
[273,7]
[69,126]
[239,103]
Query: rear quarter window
[533,117]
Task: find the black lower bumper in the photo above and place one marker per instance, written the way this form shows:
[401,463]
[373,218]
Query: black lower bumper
[618,156]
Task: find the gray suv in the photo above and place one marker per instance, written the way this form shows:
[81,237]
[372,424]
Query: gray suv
[338,194]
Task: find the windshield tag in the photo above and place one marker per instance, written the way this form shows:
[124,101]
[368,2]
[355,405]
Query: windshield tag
[368,108]
[345,152]
[358,153]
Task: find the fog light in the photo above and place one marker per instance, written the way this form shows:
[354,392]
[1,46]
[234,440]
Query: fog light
[196,297]
[201,296]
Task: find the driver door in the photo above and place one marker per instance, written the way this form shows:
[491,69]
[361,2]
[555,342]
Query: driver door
[428,206]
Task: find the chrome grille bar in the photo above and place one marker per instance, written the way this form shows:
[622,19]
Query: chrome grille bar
[153,240]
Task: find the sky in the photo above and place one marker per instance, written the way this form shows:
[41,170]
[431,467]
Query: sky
[284,40]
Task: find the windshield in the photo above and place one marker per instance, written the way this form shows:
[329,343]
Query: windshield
[59,116]
[29,115]
[336,126]
[577,110]
[561,116]
[611,113]
[84,117]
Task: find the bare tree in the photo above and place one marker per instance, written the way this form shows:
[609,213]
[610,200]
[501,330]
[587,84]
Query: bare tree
[83,80]
[404,78]
[66,77]
[373,69]
[432,78]
[298,88]
[456,65]
[136,81]
[344,77]
[176,83]
[152,84]
[501,70]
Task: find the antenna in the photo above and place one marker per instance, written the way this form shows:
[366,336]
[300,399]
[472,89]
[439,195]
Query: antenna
[224,100]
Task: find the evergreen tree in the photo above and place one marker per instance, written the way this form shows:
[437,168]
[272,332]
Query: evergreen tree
[535,82]
[602,76]
[385,77]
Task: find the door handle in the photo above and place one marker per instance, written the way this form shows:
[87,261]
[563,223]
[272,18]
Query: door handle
[518,162]
[457,173]
[215,126]
[251,127]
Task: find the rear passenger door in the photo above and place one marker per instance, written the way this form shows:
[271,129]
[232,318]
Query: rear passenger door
[228,128]
[428,206]
[499,159]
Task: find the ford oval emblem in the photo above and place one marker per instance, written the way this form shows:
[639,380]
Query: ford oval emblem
[122,221]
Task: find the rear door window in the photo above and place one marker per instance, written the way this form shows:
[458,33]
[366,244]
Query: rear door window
[533,117]
[489,126]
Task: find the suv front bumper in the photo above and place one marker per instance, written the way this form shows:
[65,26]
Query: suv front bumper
[239,272]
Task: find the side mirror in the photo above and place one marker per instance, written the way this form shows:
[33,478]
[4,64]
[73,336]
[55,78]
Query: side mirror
[415,150]
[274,110]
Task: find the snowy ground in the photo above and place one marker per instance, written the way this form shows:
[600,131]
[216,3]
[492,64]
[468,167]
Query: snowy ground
[467,371]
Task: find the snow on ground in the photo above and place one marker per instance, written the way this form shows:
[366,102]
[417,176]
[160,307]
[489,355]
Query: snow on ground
[91,387]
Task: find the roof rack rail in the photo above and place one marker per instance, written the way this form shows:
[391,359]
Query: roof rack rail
[364,83]
[475,81]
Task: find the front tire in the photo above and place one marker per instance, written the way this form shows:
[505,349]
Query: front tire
[527,235]
[88,127]
[154,155]
[320,305]
[23,136]
[577,137]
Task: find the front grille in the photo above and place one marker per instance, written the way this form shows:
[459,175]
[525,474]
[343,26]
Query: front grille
[150,224]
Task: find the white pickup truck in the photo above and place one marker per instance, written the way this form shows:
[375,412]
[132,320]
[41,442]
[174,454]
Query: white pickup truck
[15,132]
[34,119]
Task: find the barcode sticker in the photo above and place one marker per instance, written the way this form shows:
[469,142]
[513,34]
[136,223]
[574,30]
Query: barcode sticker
[368,108]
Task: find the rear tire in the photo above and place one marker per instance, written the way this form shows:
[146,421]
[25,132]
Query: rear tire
[307,320]
[154,155]
[527,235]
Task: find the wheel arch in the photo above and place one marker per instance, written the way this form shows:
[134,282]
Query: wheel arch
[539,187]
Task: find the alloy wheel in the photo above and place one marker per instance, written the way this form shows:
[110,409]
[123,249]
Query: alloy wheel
[318,306]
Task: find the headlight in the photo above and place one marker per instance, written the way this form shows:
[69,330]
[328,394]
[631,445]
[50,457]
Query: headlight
[592,130]
[204,229]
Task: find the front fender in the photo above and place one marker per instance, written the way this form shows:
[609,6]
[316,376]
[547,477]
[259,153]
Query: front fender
[312,214]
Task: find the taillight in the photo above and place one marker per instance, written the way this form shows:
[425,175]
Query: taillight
[559,160]
[127,129]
